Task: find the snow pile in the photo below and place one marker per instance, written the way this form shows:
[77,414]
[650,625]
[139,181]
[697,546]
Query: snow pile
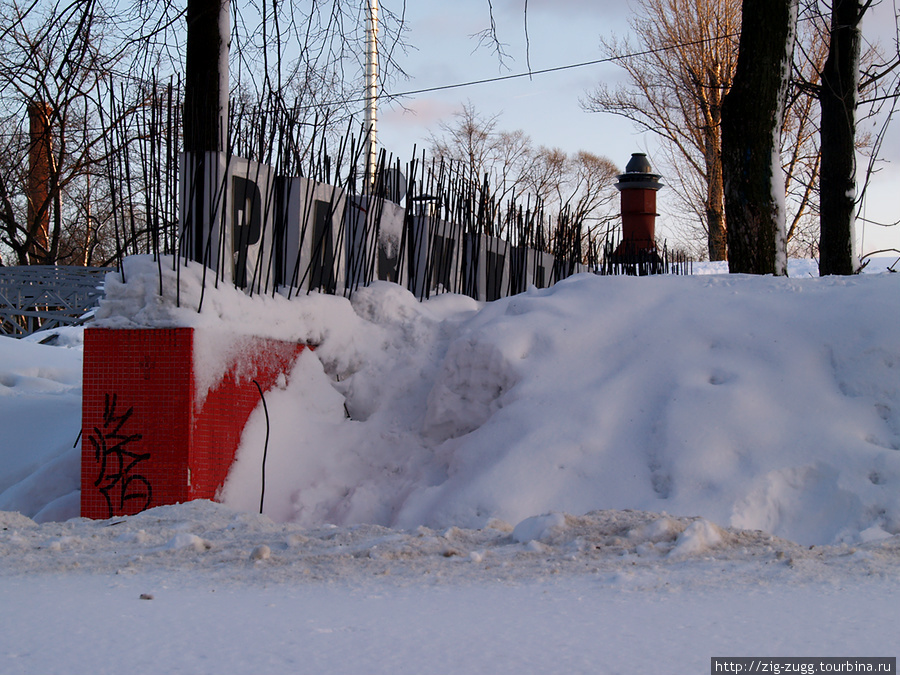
[650,548]
[736,399]
[484,481]
[754,403]
[40,415]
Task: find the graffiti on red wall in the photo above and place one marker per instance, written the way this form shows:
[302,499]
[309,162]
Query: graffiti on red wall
[124,490]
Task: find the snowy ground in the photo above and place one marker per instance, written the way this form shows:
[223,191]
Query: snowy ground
[605,593]
[464,488]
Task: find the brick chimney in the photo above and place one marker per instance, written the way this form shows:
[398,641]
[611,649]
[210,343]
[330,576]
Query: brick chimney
[637,190]
[39,153]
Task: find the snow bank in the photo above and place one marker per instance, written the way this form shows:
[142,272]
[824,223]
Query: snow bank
[631,548]
[40,415]
[754,403]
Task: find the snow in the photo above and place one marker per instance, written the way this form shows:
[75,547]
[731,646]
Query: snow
[613,475]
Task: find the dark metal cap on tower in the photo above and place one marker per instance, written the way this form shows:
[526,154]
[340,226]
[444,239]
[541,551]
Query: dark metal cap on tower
[639,174]
[638,164]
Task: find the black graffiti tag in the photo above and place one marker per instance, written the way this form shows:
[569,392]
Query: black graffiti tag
[116,480]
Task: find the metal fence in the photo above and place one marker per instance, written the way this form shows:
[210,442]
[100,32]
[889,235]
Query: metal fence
[38,297]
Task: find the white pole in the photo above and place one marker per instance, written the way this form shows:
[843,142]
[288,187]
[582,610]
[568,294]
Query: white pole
[372,90]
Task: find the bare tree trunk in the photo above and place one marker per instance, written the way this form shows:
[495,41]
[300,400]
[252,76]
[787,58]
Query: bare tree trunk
[205,114]
[752,116]
[837,98]
[717,237]
[205,83]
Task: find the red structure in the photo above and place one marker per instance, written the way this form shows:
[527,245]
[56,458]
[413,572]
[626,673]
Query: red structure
[40,151]
[637,191]
[149,437]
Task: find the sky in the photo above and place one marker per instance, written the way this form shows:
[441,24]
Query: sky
[559,33]
[546,107]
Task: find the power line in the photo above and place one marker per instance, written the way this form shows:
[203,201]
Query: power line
[490,80]
[500,78]
[543,71]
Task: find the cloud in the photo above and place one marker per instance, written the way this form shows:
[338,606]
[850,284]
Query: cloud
[424,112]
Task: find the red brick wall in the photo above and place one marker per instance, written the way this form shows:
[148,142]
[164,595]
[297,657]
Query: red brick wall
[639,216]
[219,424]
[144,443]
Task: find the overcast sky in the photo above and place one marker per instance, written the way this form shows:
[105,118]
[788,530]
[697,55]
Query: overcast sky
[546,107]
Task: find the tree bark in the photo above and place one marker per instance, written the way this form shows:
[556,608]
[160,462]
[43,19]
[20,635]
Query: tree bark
[204,117]
[837,99]
[717,238]
[205,114]
[752,116]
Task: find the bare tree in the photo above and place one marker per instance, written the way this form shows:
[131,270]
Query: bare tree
[545,175]
[837,98]
[508,164]
[678,76]
[54,64]
[800,156]
[581,185]
[472,141]
[847,74]
[301,66]
[752,121]
[93,67]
